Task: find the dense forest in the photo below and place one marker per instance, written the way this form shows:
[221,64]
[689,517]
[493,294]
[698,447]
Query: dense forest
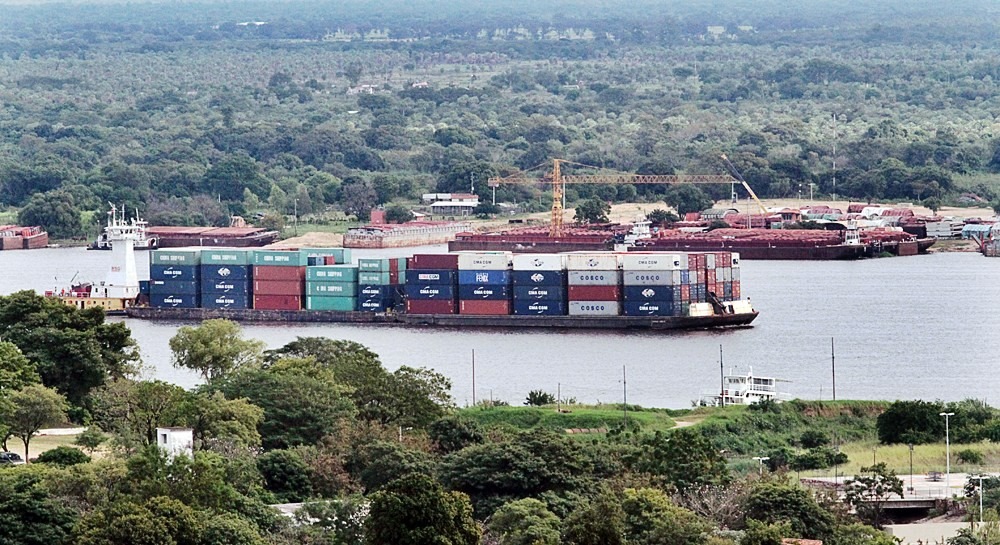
[192,112]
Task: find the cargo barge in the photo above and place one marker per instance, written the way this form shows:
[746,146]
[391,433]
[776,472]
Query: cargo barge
[414,233]
[15,237]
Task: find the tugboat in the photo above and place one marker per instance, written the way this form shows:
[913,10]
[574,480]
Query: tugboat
[142,242]
[120,288]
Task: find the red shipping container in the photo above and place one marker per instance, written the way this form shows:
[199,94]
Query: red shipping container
[277,287]
[692,262]
[736,289]
[710,276]
[394,277]
[685,292]
[329,260]
[394,265]
[283,274]
[277,302]
[440,306]
[485,308]
[433,261]
[594,293]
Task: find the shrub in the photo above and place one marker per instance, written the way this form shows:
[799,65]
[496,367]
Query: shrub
[969,456]
[63,456]
[813,439]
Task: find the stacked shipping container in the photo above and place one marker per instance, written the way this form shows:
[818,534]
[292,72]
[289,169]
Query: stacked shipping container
[174,278]
[539,284]
[651,284]
[432,284]
[225,278]
[379,283]
[594,284]
[332,287]
[278,279]
[484,283]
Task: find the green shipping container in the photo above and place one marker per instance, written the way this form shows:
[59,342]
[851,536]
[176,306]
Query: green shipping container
[332,273]
[343,304]
[373,265]
[226,256]
[175,257]
[342,255]
[278,258]
[332,289]
[376,278]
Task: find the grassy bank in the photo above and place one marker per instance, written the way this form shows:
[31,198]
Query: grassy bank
[571,417]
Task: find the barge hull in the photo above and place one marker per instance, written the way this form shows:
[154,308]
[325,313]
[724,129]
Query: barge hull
[450,320]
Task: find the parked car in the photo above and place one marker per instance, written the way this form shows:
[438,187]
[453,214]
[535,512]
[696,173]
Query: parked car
[10,458]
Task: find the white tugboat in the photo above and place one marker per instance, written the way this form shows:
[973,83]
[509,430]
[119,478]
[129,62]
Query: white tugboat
[120,288]
[744,388]
[142,240]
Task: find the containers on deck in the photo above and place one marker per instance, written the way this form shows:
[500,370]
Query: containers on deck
[174,278]
[484,283]
[226,278]
[278,279]
[431,285]
[380,283]
[593,284]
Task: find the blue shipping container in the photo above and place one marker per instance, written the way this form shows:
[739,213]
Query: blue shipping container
[654,308]
[685,277]
[210,285]
[144,287]
[373,291]
[225,272]
[483,292]
[168,287]
[539,308]
[430,276]
[225,300]
[495,278]
[374,305]
[159,300]
[173,272]
[430,291]
[539,278]
[540,293]
[649,293]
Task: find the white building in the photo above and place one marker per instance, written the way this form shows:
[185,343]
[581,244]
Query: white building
[175,441]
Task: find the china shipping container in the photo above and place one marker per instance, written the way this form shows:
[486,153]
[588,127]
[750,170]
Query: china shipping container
[226,257]
[176,256]
[342,304]
[332,289]
[277,302]
[332,273]
[278,258]
[280,274]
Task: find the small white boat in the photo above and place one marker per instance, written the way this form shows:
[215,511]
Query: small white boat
[142,240]
[744,388]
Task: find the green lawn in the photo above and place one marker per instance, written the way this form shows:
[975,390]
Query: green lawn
[588,417]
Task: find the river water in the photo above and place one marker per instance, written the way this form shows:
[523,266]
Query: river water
[923,327]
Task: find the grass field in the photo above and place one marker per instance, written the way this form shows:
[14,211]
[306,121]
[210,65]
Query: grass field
[926,458]
[40,444]
[590,417]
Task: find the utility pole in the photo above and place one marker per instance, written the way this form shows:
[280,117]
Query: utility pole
[722,380]
[472,183]
[834,156]
[473,377]
[833,368]
[624,400]
[559,397]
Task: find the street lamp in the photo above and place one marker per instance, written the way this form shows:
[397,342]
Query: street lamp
[981,499]
[911,468]
[761,459]
[947,454]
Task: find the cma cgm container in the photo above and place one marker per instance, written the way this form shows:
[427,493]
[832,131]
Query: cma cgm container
[226,278]
[539,284]
[431,285]
[174,278]
[173,300]
[380,283]
[225,300]
[484,283]
[651,282]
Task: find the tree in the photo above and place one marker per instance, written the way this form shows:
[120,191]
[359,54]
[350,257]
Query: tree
[214,349]
[223,423]
[133,410]
[31,514]
[353,72]
[814,438]
[775,503]
[16,371]
[398,213]
[868,493]
[91,438]
[599,522]
[229,177]
[687,198]
[416,510]
[914,422]
[524,522]
[286,475]
[341,520]
[684,458]
[758,533]
[63,456]
[376,464]
[538,398]
[31,409]
[660,216]
[358,198]
[55,211]
[453,433]
[651,518]
[592,210]
[933,203]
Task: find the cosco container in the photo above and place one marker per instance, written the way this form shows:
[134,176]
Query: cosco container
[593,278]
[430,291]
[374,277]
[641,261]
[484,292]
[433,261]
[209,285]
[540,293]
[538,262]
[431,276]
[593,293]
[225,272]
[174,272]
[648,293]
[272,273]
[342,304]
[277,302]
[167,300]
[332,273]
[175,257]
[277,287]
[484,261]
[497,278]
[332,289]
[655,308]
[225,256]
[225,300]
[648,278]
[594,308]
[592,261]
[280,258]
[163,287]
[484,308]
[539,308]
[538,278]
[340,255]
[431,307]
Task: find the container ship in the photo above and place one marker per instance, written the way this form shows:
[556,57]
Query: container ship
[15,237]
[581,290]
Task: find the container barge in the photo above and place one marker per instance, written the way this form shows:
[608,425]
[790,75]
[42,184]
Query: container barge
[15,237]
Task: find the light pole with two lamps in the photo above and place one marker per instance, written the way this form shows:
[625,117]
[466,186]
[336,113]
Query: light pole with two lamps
[947,454]
[761,459]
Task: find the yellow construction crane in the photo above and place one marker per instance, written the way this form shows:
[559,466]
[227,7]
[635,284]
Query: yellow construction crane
[558,180]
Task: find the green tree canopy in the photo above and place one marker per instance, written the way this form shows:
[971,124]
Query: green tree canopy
[415,510]
[775,503]
[214,349]
[524,522]
[592,210]
[56,211]
[31,409]
[687,198]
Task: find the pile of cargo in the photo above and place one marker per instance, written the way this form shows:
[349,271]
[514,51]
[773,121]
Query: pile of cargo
[380,283]
[594,284]
[539,283]
[174,277]
[432,284]
[225,279]
[484,283]
[278,279]
[15,237]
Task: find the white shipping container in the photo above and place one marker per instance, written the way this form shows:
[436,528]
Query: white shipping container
[727,274]
[592,261]
[594,308]
[484,261]
[641,261]
[650,278]
[701,309]
[736,274]
[710,261]
[593,278]
[539,262]
[736,260]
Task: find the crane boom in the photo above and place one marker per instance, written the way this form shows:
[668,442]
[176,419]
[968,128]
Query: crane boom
[558,180]
[738,176]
